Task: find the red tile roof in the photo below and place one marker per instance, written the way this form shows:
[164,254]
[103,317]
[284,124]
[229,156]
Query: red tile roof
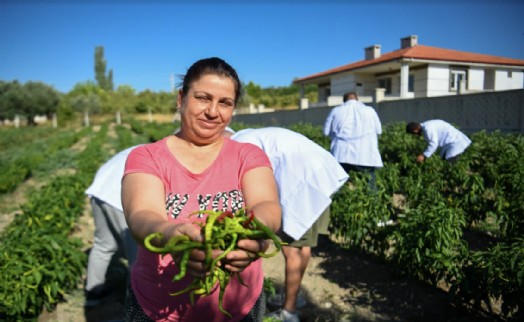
[421,52]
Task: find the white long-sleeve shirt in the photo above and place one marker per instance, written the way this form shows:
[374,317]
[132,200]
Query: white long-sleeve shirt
[306,174]
[438,133]
[107,184]
[354,128]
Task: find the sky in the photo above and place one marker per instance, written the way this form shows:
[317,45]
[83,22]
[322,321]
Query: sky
[269,42]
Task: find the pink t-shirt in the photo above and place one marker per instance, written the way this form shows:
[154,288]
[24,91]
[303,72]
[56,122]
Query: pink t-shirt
[217,188]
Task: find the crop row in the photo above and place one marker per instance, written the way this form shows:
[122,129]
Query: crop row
[39,260]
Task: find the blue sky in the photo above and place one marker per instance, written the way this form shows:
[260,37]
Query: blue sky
[268,42]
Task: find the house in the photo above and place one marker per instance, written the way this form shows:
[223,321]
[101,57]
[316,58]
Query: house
[414,71]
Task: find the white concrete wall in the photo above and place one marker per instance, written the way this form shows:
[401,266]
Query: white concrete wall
[503,82]
[335,100]
[438,80]
[347,83]
[421,83]
[342,84]
[369,83]
[475,80]
[395,85]
[471,112]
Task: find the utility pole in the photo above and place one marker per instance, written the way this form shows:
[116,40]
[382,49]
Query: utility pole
[172,82]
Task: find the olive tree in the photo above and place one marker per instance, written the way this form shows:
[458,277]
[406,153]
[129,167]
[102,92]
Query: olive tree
[28,100]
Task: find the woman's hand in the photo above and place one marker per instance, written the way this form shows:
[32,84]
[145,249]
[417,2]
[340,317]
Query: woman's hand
[196,263]
[238,260]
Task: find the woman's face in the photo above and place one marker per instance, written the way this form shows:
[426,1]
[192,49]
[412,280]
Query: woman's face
[207,108]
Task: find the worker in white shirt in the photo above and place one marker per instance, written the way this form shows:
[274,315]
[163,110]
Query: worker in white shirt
[111,231]
[307,176]
[439,134]
[354,128]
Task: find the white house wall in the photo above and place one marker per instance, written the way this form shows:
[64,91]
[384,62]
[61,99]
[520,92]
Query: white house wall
[503,82]
[368,84]
[475,79]
[438,80]
[395,85]
[342,84]
[421,82]
[350,82]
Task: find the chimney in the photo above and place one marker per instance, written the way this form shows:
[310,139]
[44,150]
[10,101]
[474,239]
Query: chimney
[372,52]
[408,42]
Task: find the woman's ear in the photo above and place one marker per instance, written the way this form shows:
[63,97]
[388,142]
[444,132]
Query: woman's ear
[179,99]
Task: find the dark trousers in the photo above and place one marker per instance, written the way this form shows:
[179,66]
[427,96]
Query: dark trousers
[362,169]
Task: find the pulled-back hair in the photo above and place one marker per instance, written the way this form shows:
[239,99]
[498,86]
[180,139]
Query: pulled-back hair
[350,95]
[214,66]
[412,127]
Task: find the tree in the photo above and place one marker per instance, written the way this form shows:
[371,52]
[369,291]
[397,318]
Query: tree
[123,99]
[278,97]
[11,96]
[86,103]
[104,81]
[253,90]
[161,102]
[28,100]
[42,99]
[86,97]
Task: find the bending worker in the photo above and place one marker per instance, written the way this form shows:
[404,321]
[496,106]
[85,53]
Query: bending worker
[307,175]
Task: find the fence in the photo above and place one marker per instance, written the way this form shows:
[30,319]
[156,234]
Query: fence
[491,111]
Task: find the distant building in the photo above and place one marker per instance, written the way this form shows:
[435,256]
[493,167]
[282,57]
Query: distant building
[414,71]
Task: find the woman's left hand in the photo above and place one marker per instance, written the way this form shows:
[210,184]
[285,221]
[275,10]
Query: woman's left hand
[238,260]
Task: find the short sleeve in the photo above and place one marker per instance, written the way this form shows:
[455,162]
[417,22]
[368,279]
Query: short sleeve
[141,160]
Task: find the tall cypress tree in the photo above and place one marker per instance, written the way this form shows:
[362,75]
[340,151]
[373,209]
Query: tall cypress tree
[104,81]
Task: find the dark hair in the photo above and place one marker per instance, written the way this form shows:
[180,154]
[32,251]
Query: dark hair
[212,65]
[347,96]
[412,127]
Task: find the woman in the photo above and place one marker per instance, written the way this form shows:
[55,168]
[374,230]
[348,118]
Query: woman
[195,169]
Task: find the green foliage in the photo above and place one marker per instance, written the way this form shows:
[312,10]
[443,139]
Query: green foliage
[39,260]
[428,242]
[105,81]
[156,131]
[314,133]
[356,211]
[484,188]
[269,286]
[280,97]
[20,164]
[498,273]
[161,102]
[28,100]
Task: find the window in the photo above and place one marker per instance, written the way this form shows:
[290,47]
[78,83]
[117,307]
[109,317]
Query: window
[510,74]
[385,83]
[455,78]
[411,83]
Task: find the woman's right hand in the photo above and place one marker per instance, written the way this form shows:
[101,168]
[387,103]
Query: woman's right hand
[196,263]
